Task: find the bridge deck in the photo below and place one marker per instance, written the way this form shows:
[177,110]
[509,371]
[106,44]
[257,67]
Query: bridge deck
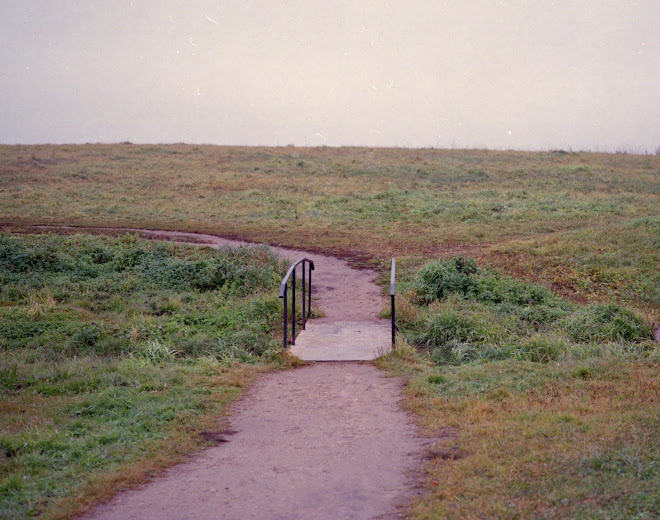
[343,341]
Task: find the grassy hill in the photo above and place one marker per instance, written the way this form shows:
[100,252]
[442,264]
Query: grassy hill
[584,224]
[528,286]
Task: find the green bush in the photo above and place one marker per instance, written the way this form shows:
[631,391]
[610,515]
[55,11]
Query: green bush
[494,288]
[461,276]
[439,278]
[161,266]
[474,314]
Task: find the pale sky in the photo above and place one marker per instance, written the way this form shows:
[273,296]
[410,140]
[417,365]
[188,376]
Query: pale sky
[574,74]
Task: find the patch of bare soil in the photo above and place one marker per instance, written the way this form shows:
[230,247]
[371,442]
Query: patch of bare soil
[325,441]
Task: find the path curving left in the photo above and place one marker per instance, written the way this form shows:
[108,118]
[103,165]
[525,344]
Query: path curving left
[324,441]
[343,293]
[350,329]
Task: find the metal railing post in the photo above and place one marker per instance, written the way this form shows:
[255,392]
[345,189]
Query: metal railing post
[392,294]
[285,325]
[309,305]
[303,294]
[293,307]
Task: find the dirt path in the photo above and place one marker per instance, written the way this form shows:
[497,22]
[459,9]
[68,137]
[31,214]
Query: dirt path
[325,441]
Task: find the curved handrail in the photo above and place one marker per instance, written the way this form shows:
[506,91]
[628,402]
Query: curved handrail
[392,295]
[288,274]
[306,306]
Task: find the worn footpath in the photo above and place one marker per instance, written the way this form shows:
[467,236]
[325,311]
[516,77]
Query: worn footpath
[324,441]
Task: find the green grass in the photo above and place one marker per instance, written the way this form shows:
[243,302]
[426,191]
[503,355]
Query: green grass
[542,408]
[115,354]
[104,296]
[523,439]
[583,224]
[527,283]
[466,313]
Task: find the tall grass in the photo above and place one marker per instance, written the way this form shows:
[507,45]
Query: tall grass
[112,297]
[535,407]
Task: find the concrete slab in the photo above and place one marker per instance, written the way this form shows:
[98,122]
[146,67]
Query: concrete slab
[343,341]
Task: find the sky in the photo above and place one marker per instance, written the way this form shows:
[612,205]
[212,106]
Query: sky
[530,75]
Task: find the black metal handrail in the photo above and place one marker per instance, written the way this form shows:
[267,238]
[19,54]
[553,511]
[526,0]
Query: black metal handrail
[291,273]
[392,294]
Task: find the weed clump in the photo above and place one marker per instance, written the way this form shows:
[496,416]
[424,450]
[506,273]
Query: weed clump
[461,276]
[155,352]
[463,327]
[436,379]
[438,279]
[86,337]
[541,349]
[467,314]
[606,323]
[454,353]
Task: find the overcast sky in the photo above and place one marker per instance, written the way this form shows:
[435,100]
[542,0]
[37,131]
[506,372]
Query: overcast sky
[579,74]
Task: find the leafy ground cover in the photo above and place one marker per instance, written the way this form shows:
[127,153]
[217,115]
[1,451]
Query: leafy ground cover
[117,356]
[460,312]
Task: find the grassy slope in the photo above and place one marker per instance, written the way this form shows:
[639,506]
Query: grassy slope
[542,408]
[117,357]
[572,437]
[585,224]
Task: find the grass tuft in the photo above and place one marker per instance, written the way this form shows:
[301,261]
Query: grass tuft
[606,323]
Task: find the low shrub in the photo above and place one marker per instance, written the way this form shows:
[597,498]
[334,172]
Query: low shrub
[144,298]
[472,314]
[461,326]
[462,276]
[442,277]
[604,323]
